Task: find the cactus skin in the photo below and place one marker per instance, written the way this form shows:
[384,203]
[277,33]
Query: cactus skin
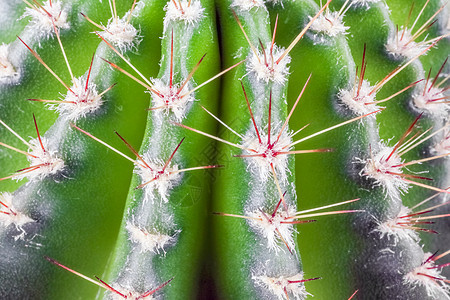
[180,211]
[352,140]
[93,203]
[240,266]
[75,208]
[332,68]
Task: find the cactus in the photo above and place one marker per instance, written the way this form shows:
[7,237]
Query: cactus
[163,134]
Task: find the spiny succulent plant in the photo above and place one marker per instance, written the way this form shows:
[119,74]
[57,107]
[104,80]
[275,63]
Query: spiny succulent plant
[148,146]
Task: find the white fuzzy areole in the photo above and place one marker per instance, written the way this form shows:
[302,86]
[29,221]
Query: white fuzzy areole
[165,180]
[169,99]
[48,161]
[391,228]
[246,5]
[278,285]
[360,103]
[83,102]
[129,294]
[436,289]
[399,45]
[261,165]
[425,100]
[267,225]
[443,146]
[154,242]
[329,23]
[181,11]
[7,71]
[379,169]
[11,215]
[121,34]
[265,67]
[43,18]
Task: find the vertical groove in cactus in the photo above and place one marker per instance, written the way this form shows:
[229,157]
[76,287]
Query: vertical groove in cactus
[66,206]
[127,159]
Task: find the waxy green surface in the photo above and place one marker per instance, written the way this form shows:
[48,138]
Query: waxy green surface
[86,203]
